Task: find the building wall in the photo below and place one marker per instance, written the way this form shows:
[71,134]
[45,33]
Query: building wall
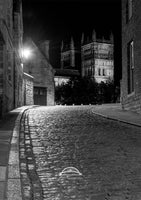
[131,31]
[6,23]
[59,80]
[39,67]
[97,60]
[28,89]
[8,60]
[17,41]
[70,56]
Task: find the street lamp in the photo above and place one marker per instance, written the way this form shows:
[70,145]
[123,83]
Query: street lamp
[26,53]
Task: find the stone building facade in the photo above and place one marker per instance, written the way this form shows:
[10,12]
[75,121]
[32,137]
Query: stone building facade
[39,67]
[28,89]
[97,58]
[95,55]
[11,72]
[18,44]
[131,55]
[70,63]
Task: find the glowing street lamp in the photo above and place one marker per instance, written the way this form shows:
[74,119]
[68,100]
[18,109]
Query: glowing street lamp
[26,53]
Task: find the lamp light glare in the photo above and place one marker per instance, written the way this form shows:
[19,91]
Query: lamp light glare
[26,53]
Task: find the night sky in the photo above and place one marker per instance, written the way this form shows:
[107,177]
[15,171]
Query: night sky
[58,20]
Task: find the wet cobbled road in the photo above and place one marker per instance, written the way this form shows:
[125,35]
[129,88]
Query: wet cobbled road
[71,153]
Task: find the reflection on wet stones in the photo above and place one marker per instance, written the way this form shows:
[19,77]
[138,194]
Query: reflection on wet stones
[72,187]
[60,139]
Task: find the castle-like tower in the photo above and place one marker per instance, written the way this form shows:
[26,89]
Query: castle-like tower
[97,60]
[70,63]
[96,57]
[69,56]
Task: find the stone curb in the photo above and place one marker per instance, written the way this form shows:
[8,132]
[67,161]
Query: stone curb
[116,119]
[13,188]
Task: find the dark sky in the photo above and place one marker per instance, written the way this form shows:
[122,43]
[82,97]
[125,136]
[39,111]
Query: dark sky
[57,20]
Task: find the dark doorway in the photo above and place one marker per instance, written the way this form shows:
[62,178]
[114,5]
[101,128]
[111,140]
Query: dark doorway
[40,96]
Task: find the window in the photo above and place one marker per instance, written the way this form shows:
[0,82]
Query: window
[130,66]
[103,72]
[99,72]
[129,10]
[9,66]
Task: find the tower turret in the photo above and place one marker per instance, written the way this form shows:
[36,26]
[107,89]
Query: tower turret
[94,35]
[62,46]
[82,39]
[72,43]
[111,38]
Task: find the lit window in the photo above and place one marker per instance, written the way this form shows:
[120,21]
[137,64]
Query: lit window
[130,66]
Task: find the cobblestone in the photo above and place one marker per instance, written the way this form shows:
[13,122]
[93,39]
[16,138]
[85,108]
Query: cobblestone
[30,180]
[107,153]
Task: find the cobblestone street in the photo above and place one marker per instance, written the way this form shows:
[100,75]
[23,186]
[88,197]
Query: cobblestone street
[104,154]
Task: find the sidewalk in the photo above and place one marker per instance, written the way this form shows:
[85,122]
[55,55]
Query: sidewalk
[115,112]
[10,188]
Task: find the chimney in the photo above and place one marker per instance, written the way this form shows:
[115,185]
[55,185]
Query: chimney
[111,38]
[45,48]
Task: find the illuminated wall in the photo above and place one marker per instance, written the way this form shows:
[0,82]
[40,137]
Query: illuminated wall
[59,80]
[97,60]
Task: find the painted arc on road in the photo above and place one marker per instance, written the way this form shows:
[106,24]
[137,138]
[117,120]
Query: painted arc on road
[70,171]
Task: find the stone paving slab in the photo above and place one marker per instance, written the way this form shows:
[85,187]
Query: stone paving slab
[13,171]
[4,149]
[2,173]
[115,112]
[5,134]
[2,187]
[10,184]
[14,189]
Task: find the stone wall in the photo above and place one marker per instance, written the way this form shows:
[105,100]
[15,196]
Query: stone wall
[11,73]
[133,103]
[131,31]
[98,60]
[28,89]
[40,68]
[18,84]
